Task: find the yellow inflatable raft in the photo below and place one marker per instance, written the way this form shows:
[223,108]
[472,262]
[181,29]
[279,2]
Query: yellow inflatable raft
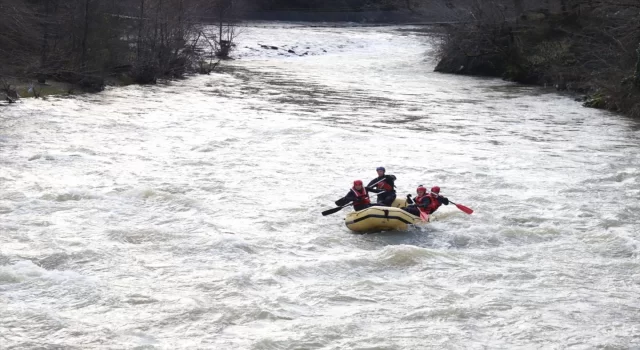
[382,218]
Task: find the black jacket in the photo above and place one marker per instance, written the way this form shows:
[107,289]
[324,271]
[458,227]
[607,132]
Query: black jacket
[390,179]
[350,197]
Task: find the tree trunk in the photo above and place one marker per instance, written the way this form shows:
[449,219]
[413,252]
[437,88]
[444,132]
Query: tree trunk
[636,80]
[44,47]
[221,24]
[564,8]
[155,25]
[140,27]
[519,9]
[178,41]
[85,35]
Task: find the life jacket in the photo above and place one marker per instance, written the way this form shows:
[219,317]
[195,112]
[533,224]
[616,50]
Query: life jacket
[434,205]
[420,199]
[383,185]
[362,197]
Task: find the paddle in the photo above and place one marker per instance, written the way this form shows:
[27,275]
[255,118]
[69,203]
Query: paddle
[459,206]
[423,215]
[335,210]
[342,204]
[463,208]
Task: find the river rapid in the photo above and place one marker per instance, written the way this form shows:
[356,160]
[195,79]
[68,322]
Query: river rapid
[186,215]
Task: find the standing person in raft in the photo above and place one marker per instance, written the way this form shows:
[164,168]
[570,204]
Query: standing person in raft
[358,195]
[428,203]
[383,183]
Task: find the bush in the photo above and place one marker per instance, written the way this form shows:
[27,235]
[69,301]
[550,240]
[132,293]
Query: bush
[592,51]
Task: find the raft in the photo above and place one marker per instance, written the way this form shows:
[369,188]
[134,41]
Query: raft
[382,218]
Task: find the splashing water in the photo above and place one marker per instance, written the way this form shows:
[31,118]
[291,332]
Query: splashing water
[187,215]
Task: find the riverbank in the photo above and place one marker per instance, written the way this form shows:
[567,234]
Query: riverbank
[15,88]
[585,54]
[52,50]
[18,88]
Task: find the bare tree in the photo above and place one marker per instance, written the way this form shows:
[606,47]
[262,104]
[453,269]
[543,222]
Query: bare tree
[227,14]
[83,41]
[18,36]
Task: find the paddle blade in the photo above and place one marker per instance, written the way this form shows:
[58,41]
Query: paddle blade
[424,216]
[331,211]
[342,201]
[465,209]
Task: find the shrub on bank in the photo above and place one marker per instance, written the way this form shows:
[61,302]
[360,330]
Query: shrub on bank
[593,52]
[89,43]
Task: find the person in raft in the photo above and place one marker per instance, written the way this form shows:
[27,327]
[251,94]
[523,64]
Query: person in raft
[358,195]
[428,203]
[385,184]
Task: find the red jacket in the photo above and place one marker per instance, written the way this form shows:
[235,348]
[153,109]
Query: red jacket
[361,198]
[433,204]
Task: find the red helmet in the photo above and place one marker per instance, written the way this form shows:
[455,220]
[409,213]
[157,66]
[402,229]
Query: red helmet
[421,189]
[435,189]
[357,183]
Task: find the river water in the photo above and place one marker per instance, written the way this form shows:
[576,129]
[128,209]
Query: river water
[187,215]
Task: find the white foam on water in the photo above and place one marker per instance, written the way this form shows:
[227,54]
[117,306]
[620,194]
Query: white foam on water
[187,214]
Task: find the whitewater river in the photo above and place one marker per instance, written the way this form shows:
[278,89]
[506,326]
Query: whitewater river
[187,215]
